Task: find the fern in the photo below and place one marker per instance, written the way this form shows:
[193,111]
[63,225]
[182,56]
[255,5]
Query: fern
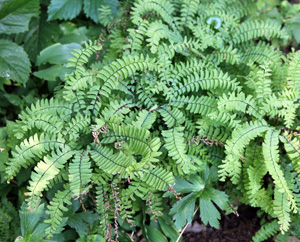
[56,209]
[190,89]
[254,29]
[266,231]
[80,173]
[235,146]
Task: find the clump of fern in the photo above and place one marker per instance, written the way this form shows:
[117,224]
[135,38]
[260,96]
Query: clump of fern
[190,97]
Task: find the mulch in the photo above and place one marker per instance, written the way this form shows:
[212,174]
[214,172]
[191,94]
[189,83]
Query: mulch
[232,228]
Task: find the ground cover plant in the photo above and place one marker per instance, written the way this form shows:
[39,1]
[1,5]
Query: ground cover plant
[179,106]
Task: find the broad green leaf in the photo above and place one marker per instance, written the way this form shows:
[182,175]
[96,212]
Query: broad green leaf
[29,219]
[16,14]
[168,228]
[13,99]
[64,9]
[14,62]
[184,210]
[51,73]
[155,235]
[183,186]
[78,35]
[209,213]
[92,8]
[57,53]
[80,221]
[40,35]
[220,198]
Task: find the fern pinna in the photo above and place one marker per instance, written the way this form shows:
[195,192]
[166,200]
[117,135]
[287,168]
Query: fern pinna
[190,92]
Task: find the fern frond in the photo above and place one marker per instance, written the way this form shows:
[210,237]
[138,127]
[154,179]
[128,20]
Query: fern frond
[174,143]
[188,11]
[157,31]
[202,105]
[138,141]
[183,69]
[116,110]
[292,147]
[78,124]
[254,29]
[76,82]
[32,149]
[44,122]
[115,72]
[263,83]
[271,157]
[163,8]
[46,170]
[293,73]
[109,162]
[261,53]
[282,209]
[136,37]
[240,8]
[187,47]
[266,231]
[56,209]
[80,173]
[103,209]
[227,54]
[81,56]
[218,134]
[53,107]
[145,119]
[239,102]
[172,117]
[234,148]
[158,178]
[207,80]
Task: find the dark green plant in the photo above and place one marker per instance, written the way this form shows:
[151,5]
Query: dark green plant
[186,92]
[35,46]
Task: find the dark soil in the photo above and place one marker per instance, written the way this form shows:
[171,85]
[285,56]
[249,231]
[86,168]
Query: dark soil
[232,228]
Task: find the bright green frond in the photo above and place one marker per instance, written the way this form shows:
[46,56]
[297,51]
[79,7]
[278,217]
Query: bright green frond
[32,149]
[56,209]
[80,173]
[235,146]
[271,157]
[110,162]
[46,170]
[255,29]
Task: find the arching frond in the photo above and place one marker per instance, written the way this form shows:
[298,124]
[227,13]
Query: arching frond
[255,29]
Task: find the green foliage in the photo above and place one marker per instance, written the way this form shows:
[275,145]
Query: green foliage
[201,190]
[180,96]
[11,57]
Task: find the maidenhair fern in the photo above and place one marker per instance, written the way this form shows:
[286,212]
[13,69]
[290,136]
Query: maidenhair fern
[189,93]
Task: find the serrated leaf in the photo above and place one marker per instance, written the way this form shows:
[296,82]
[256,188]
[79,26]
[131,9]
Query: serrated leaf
[57,53]
[14,62]
[92,8]
[64,9]
[209,213]
[40,35]
[16,14]
[184,210]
